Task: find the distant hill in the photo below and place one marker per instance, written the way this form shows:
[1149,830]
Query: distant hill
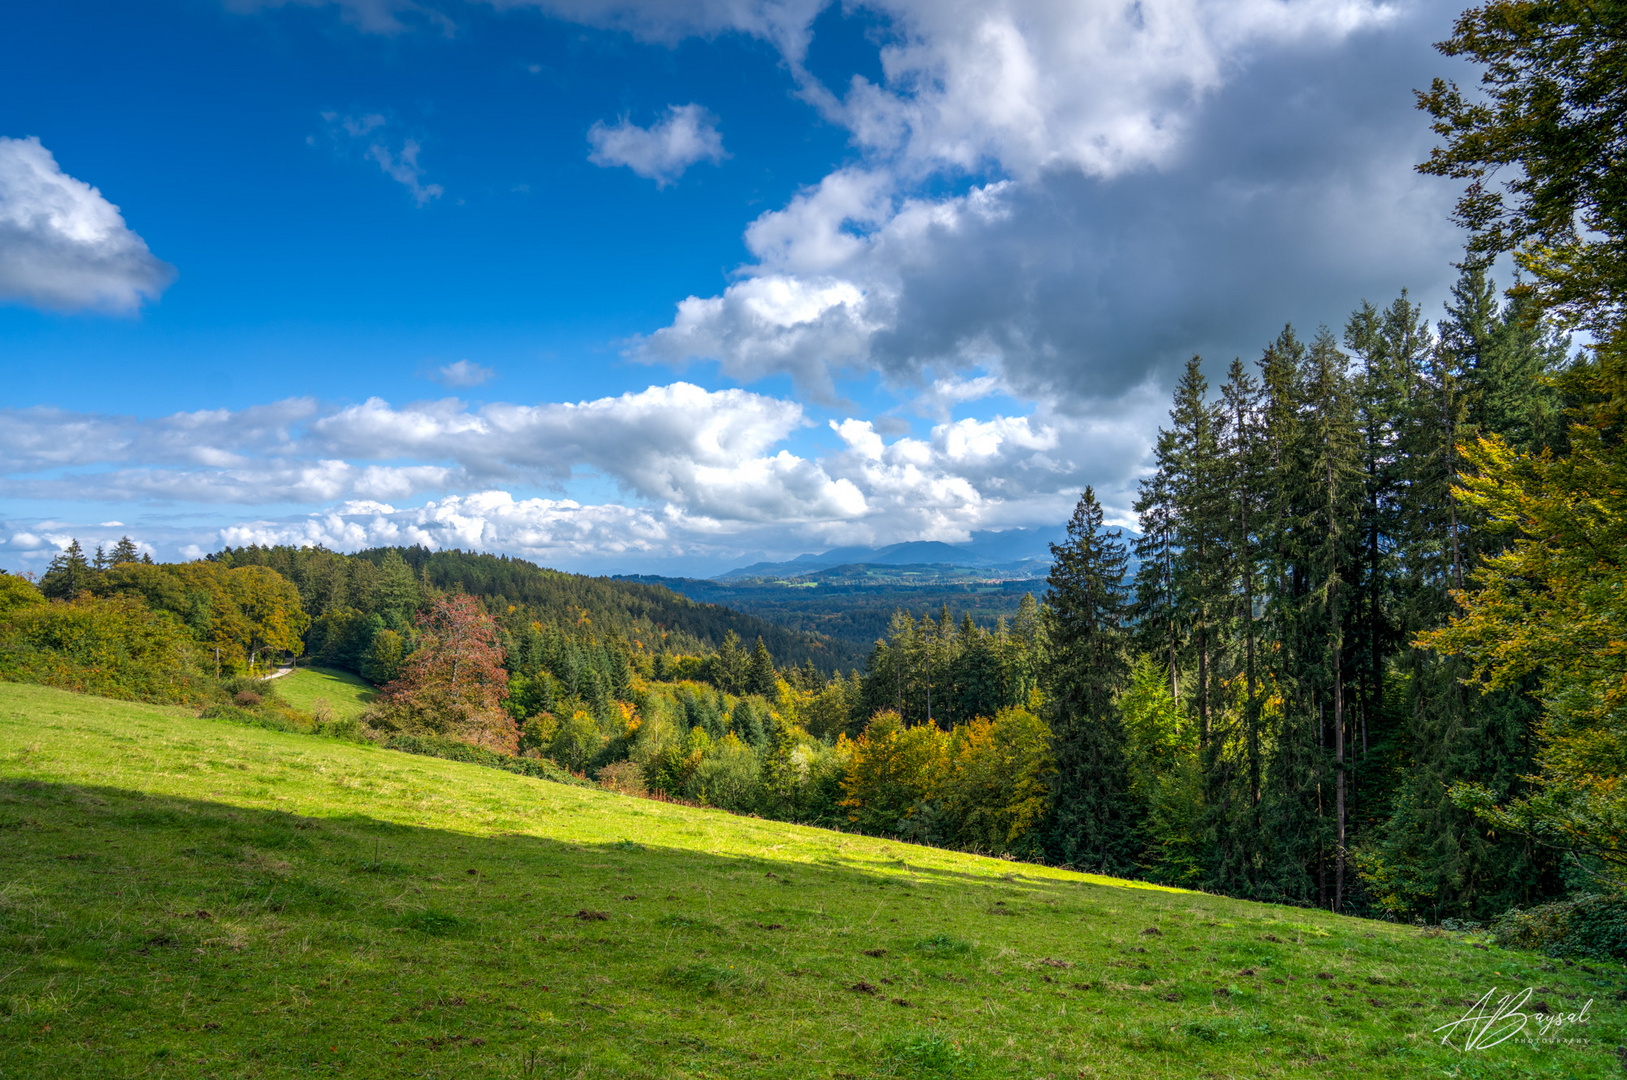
[853,603]
[1007,554]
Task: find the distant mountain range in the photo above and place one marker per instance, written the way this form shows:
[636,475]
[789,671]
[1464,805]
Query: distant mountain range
[1010,553]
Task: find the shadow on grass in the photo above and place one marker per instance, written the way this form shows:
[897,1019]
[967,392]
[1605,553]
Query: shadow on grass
[143,934]
[87,841]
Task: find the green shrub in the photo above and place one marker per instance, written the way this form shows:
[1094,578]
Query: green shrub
[1593,927]
[347,727]
[728,776]
[452,750]
[17,592]
[115,647]
[625,777]
[263,689]
[270,720]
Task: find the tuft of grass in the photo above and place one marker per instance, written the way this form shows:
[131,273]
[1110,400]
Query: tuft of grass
[943,945]
[436,923]
[258,903]
[930,1054]
[702,978]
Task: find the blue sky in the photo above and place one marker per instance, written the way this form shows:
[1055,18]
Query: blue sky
[665,286]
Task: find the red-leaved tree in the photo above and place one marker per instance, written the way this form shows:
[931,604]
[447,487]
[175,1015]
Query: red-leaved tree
[454,683]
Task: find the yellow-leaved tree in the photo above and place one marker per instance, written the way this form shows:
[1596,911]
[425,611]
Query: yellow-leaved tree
[1553,603]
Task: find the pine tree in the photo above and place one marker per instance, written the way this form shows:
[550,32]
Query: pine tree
[1234,788]
[760,675]
[1085,616]
[730,665]
[1199,572]
[1428,856]
[1291,793]
[68,575]
[1157,618]
[397,594]
[1331,529]
[125,552]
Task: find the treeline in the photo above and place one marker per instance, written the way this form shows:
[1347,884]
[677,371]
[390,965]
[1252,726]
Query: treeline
[388,582]
[124,627]
[1254,711]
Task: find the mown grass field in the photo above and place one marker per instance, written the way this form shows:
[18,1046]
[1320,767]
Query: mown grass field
[347,695]
[193,898]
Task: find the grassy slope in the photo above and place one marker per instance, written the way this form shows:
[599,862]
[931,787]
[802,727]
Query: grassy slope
[346,694]
[377,914]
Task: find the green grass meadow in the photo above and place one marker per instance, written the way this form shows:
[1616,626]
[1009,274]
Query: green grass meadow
[347,695]
[195,898]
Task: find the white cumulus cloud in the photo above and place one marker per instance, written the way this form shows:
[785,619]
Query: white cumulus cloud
[698,473]
[661,152]
[62,244]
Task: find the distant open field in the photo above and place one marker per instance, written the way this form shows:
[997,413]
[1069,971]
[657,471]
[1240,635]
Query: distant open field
[193,898]
[346,694]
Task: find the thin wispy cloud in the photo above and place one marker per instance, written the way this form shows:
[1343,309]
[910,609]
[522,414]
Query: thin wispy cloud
[398,161]
[463,373]
[387,17]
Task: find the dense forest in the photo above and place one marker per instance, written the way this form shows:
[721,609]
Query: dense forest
[1370,656]
[386,584]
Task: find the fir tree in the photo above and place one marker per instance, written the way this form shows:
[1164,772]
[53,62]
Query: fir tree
[1334,475]
[68,575]
[1156,613]
[760,675]
[1085,614]
[124,552]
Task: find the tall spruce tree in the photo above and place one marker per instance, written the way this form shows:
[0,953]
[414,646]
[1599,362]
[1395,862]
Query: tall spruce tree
[1090,823]
[1429,857]
[68,575]
[760,675]
[1156,611]
[1331,552]
[1293,827]
[125,552]
[1235,777]
[1200,571]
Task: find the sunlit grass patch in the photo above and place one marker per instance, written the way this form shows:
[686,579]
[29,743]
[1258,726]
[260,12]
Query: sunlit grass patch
[343,695]
[176,891]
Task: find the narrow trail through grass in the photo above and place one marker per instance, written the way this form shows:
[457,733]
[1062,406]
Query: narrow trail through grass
[193,898]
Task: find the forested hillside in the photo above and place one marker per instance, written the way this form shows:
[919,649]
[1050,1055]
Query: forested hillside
[389,582]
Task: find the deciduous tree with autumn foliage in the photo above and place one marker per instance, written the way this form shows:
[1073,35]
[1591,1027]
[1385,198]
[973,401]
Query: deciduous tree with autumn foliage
[454,683]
